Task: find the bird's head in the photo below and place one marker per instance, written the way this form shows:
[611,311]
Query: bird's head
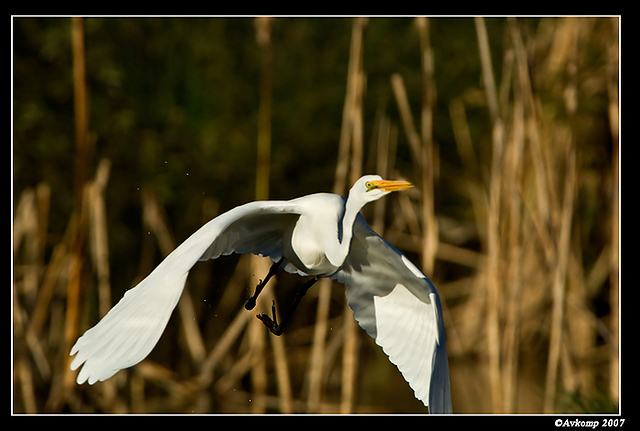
[370,188]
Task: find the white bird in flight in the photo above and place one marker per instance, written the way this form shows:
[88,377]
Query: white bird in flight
[319,235]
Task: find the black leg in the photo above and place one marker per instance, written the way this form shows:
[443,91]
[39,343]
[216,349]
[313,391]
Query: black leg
[251,301]
[272,323]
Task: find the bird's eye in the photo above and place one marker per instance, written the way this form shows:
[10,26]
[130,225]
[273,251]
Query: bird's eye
[368,185]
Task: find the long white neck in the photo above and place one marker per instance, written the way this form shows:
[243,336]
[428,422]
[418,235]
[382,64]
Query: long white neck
[338,254]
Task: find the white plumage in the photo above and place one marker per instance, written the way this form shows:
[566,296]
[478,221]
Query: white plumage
[322,235]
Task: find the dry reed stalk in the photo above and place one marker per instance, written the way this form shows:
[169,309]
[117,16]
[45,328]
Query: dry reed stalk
[81,108]
[494,285]
[263,37]
[53,272]
[487,69]
[383,163]
[98,233]
[22,369]
[559,282]
[429,152]
[136,392]
[346,130]
[349,361]
[614,281]
[464,142]
[471,321]
[507,239]
[351,344]
[222,347]
[461,256]
[256,331]
[349,156]
[566,36]
[191,329]
[494,248]
[41,309]
[32,342]
[258,371]
[406,214]
[255,353]
[472,182]
[400,93]
[155,222]
[81,161]
[255,361]
[22,373]
[533,135]
[26,236]
[578,376]
[257,345]
[316,362]
[425,157]
[513,272]
[504,244]
[95,209]
[24,219]
[43,200]
[25,225]
[285,395]
[240,368]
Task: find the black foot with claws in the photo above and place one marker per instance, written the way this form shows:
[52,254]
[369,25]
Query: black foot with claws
[271,324]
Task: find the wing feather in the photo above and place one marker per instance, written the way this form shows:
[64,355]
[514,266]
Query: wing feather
[132,328]
[399,307]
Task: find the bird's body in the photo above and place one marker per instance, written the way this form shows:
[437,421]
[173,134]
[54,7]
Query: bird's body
[321,235]
[306,251]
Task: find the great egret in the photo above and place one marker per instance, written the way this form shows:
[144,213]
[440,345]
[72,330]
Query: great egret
[321,235]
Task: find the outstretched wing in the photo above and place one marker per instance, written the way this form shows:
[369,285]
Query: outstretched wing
[130,330]
[399,307]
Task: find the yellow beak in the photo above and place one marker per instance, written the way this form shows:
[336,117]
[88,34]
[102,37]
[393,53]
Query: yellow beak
[390,186]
